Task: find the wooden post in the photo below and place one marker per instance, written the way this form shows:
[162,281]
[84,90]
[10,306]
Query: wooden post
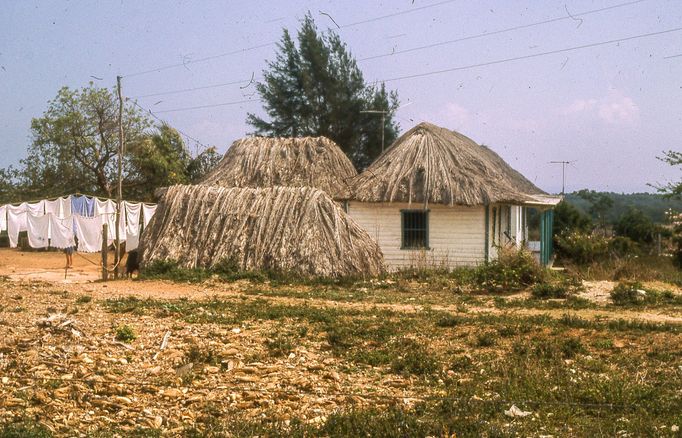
[105,249]
[117,254]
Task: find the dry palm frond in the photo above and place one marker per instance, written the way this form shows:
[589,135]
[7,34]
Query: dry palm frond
[429,164]
[293,162]
[291,229]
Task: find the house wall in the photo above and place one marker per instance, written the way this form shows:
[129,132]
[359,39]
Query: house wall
[456,234]
[507,227]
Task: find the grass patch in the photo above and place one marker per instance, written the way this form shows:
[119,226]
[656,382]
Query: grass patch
[125,333]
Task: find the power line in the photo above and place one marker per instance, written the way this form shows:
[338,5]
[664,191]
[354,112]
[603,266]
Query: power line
[186,90]
[465,67]
[497,32]
[534,55]
[395,14]
[414,49]
[672,56]
[195,61]
[237,102]
[272,43]
[163,121]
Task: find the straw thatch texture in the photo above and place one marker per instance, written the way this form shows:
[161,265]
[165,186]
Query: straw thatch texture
[430,164]
[292,229]
[293,162]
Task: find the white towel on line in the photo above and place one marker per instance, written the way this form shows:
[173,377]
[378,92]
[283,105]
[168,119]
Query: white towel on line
[16,222]
[110,221]
[106,206]
[36,209]
[147,213]
[61,232]
[89,233]
[38,228]
[3,218]
[60,207]
[132,212]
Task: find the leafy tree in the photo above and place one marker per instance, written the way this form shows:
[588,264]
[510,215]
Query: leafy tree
[75,143]
[202,164]
[160,159]
[567,218]
[674,190]
[600,204]
[317,89]
[75,148]
[637,226]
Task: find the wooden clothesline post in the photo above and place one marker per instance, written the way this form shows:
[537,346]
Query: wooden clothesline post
[105,248]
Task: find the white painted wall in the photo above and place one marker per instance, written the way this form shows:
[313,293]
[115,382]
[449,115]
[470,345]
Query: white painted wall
[456,234]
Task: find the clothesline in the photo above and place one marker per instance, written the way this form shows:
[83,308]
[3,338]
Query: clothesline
[75,219]
[33,201]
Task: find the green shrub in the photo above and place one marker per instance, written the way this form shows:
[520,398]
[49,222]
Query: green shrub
[513,269]
[25,428]
[125,333]
[83,299]
[581,248]
[628,293]
[621,246]
[549,290]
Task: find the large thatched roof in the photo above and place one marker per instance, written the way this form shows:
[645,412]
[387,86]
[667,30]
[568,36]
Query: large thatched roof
[295,229]
[430,164]
[293,162]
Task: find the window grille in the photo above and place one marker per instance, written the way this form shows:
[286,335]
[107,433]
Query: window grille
[415,229]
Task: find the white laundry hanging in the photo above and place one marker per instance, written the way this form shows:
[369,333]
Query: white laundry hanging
[3,218]
[147,213]
[132,214]
[52,206]
[89,233]
[38,228]
[60,207]
[106,206]
[36,209]
[61,232]
[110,220]
[16,222]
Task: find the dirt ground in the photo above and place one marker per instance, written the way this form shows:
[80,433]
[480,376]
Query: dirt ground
[60,361]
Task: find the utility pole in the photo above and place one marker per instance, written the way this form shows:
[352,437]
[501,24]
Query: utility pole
[563,173]
[383,123]
[117,255]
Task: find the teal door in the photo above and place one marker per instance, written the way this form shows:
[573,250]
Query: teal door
[546,226]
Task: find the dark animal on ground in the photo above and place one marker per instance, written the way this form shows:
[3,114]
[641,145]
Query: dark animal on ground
[132,263]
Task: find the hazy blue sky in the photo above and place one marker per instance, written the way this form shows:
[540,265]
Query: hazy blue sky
[612,108]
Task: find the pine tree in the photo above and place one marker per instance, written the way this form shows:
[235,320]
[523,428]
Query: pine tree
[317,89]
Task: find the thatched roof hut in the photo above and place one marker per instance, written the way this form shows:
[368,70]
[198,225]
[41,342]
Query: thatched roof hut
[293,229]
[292,162]
[430,164]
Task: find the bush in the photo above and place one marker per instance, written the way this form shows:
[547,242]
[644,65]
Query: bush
[627,293]
[621,246]
[513,269]
[125,333]
[581,248]
[548,290]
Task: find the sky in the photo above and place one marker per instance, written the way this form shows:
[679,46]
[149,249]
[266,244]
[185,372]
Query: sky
[536,80]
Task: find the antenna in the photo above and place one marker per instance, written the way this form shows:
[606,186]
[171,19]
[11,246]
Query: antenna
[383,120]
[563,172]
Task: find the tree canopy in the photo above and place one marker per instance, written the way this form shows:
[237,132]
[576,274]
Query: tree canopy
[317,89]
[74,148]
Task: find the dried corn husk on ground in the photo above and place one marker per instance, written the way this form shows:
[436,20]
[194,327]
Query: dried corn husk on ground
[293,229]
[295,162]
[431,164]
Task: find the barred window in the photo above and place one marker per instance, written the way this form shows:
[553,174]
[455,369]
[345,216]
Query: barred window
[415,229]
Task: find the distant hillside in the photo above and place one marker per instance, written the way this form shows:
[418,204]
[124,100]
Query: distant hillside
[652,205]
